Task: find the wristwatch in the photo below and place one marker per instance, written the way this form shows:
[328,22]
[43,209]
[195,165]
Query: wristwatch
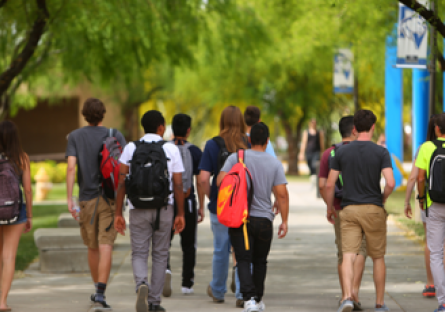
[420,198]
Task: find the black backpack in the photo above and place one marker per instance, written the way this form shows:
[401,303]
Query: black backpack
[436,178]
[339,182]
[223,153]
[148,184]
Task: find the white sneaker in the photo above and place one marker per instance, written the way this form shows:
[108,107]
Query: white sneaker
[187,291]
[167,291]
[251,306]
[261,306]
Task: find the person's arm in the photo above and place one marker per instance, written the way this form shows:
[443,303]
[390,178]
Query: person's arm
[421,187]
[303,145]
[282,198]
[390,183]
[204,182]
[70,180]
[179,224]
[322,141]
[409,189]
[221,176]
[26,181]
[322,188]
[119,221]
[201,197]
[329,194]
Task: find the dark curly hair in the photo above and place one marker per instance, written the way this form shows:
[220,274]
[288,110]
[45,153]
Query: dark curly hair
[93,110]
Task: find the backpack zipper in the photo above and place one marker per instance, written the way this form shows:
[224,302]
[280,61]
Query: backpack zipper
[432,166]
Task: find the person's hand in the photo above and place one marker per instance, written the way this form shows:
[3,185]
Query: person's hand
[201,214]
[70,208]
[331,213]
[421,204]
[276,209]
[179,224]
[282,230]
[28,225]
[301,157]
[408,211]
[119,225]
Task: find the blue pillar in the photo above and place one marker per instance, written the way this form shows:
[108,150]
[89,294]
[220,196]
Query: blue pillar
[421,86]
[394,108]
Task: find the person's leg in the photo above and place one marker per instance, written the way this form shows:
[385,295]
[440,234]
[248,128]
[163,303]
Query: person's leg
[93,263]
[262,232]
[220,262]
[11,237]
[188,244]
[339,251]
[160,246]
[244,261]
[435,235]
[429,276]
[105,260]
[359,267]
[379,279]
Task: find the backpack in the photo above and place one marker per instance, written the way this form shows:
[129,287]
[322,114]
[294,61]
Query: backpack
[436,178]
[109,164]
[222,155]
[234,198]
[339,182]
[10,195]
[187,160]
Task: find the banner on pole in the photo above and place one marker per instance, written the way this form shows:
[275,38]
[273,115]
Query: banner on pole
[412,38]
[343,71]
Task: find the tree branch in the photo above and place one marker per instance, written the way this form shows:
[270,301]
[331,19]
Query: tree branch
[427,14]
[19,63]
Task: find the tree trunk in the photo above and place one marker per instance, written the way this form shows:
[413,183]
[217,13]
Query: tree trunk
[131,123]
[292,148]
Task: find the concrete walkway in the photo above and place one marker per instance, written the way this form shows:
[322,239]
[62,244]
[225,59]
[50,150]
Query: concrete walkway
[301,273]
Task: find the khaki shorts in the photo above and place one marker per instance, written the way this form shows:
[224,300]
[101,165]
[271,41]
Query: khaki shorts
[357,220]
[96,234]
[337,229]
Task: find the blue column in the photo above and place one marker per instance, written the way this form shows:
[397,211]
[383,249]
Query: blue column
[420,118]
[393,109]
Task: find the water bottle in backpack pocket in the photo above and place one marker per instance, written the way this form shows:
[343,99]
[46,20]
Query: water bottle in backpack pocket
[436,178]
[10,196]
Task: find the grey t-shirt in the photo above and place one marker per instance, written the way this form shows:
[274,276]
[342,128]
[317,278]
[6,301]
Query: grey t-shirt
[267,172]
[85,144]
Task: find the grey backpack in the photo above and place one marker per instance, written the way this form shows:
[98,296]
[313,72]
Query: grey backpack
[187,175]
[10,198]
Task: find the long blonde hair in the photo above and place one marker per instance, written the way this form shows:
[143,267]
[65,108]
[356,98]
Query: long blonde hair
[233,129]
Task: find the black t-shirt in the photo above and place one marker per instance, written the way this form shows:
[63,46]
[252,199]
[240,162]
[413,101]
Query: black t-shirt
[361,164]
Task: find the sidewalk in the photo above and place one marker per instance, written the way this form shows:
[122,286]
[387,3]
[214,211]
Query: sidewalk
[301,274]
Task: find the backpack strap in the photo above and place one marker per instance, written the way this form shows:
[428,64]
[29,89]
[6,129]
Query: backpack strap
[220,141]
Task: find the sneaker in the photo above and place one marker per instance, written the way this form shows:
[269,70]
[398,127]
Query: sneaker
[382,308]
[429,291]
[346,306]
[141,300]
[440,309]
[261,306]
[156,307]
[239,303]
[167,291]
[251,306]
[187,291]
[100,305]
[92,298]
[357,306]
[210,293]
[233,285]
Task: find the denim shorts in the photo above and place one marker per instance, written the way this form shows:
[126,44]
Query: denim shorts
[22,215]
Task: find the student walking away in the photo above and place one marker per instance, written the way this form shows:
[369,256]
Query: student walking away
[15,214]
[252,116]
[87,148]
[191,156]
[361,164]
[312,144]
[232,137]
[151,175]
[252,255]
[429,161]
[429,291]
[348,134]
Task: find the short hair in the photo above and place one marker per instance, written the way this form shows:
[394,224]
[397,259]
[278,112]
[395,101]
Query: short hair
[345,126]
[252,115]
[152,120]
[364,120]
[259,134]
[440,122]
[93,110]
[180,124]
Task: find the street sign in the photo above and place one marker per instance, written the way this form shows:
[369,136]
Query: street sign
[412,38]
[343,71]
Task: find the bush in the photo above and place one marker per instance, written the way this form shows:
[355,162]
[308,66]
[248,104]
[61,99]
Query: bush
[55,171]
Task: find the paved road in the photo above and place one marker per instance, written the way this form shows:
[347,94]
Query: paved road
[301,274]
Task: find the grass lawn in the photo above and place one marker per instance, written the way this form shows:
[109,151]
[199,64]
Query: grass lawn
[58,192]
[297,178]
[43,217]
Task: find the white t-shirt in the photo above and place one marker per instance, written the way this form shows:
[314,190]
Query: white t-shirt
[174,162]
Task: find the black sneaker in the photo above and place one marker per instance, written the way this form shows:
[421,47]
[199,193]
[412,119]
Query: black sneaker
[141,301]
[156,307]
[99,305]
[92,298]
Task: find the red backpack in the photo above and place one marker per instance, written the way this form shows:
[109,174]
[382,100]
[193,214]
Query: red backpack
[234,198]
[109,164]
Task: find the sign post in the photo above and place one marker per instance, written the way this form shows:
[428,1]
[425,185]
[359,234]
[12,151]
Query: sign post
[344,72]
